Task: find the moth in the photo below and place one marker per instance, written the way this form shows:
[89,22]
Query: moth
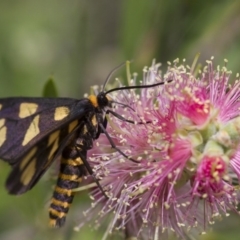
[34,132]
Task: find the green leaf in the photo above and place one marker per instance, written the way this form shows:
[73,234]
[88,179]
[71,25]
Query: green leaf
[50,89]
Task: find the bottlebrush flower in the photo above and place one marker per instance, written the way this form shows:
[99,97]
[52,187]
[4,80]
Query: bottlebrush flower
[186,141]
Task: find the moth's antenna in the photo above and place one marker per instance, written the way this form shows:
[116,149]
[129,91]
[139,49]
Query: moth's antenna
[135,87]
[111,73]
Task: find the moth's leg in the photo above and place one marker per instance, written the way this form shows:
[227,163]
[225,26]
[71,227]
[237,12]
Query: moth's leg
[113,144]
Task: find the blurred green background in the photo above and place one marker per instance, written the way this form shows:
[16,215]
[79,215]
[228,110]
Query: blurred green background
[79,43]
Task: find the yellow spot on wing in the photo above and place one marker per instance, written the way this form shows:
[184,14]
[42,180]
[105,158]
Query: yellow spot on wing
[72,125]
[53,140]
[61,113]
[28,172]
[27,158]
[93,100]
[53,143]
[0,106]
[3,135]
[27,109]
[32,131]
[53,137]
[3,132]
[2,122]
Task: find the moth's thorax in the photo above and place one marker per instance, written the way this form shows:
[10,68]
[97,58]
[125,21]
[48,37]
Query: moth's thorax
[93,100]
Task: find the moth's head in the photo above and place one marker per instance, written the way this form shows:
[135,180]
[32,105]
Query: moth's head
[104,100]
[101,100]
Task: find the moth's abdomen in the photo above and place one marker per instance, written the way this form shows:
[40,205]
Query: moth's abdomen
[71,172]
[72,169]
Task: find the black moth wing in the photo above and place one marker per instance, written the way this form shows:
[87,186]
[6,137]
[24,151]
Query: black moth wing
[33,131]
[11,145]
[26,173]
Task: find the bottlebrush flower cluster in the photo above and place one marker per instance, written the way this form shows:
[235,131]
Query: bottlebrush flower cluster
[186,139]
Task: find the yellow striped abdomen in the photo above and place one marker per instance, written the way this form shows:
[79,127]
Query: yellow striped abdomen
[71,172]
